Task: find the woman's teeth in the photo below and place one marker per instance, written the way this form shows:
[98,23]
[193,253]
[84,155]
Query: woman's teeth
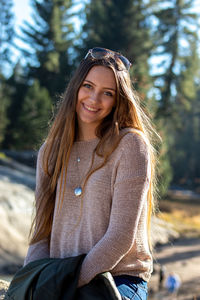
[90,108]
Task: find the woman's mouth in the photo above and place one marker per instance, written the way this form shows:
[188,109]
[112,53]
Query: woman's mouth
[89,108]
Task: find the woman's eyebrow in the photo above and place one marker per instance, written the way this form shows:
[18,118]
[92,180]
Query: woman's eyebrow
[106,88]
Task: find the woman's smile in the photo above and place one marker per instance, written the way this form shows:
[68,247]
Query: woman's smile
[90,108]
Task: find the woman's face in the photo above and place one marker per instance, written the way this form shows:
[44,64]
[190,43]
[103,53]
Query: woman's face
[96,97]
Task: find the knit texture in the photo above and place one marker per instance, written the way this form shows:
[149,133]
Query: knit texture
[111,226]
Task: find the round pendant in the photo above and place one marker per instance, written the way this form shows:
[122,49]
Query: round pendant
[78,191]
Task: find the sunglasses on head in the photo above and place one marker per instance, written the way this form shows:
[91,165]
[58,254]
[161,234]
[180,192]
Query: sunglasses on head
[99,53]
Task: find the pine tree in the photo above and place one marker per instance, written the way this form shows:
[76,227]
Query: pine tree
[185,145]
[4,104]
[176,26]
[17,86]
[174,81]
[34,116]
[6,41]
[50,39]
[185,149]
[189,78]
[6,32]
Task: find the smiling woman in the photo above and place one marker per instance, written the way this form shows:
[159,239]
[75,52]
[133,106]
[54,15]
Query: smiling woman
[95,178]
[96,98]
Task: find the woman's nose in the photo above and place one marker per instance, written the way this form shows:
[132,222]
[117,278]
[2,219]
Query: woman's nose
[94,96]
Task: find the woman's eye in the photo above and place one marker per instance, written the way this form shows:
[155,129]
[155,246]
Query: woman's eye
[108,94]
[87,85]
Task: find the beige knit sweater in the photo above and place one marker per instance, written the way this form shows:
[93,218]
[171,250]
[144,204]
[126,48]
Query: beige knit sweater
[112,230]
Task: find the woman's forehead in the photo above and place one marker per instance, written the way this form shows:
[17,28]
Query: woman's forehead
[101,75]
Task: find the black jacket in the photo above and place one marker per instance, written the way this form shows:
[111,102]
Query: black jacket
[57,279]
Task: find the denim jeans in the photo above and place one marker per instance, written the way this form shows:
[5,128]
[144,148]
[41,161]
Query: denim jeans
[131,288]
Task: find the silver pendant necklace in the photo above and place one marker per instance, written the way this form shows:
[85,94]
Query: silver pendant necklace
[78,189]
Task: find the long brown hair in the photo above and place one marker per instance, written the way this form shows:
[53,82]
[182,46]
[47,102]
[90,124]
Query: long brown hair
[127,113]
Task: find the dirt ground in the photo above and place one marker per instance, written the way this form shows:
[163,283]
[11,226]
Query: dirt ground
[183,258]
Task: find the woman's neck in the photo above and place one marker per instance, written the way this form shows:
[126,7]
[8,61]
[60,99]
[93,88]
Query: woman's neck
[85,135]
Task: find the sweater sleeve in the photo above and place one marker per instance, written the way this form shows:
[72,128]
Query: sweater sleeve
[130,193]
[40,249]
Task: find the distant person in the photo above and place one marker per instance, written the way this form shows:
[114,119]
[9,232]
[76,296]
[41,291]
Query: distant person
[173,283]
[95,177]
[162,274]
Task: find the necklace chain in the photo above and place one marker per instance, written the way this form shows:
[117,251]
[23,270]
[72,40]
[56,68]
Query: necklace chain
[78,189]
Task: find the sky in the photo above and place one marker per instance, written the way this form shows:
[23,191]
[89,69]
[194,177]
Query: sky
[22,11]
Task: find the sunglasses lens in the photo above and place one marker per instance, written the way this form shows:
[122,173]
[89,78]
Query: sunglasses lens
[99,52]
[125,61]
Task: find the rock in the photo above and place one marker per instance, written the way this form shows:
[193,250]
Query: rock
[183,194]
[162,232]
[16,208]
[12,171]
[3,288]
[26,157]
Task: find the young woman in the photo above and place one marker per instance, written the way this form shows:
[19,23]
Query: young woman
[95,177]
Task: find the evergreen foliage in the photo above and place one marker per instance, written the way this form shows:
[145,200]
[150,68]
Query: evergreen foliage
[6,41]
[17,86]
[6,32]
[49,41]
[176,28]
[5,101]
[186,138]
[164,169]
[186,146]
[34,117]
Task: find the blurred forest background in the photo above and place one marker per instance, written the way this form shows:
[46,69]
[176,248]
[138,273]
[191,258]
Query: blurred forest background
[159,37]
